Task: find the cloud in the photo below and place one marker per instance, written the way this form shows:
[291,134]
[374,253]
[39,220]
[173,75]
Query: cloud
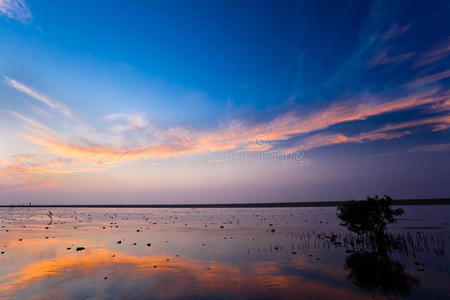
[321,140]
[28,186]
[436,53]
[387,132]
[131,137]
[88,151]
[180,140]
[38,96]
[22,164]
[395,31]
[127,121]
[30,171]
[382,58]
[440,106]
[431,148]
[430,79]
[29,121]
[16,9]
[286,126]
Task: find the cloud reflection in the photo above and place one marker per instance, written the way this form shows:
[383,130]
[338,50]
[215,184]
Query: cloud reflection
[161,276]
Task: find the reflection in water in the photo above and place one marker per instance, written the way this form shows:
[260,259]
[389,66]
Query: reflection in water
[104,274]
[372,268]
[376,271]
[215,254]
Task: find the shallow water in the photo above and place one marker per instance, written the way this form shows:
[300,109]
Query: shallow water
[217,253]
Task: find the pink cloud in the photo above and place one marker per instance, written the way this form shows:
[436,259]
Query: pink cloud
[382,58]
[387,132]
[67,153]
[179,140]
[431,148]
[430,78]
[395,31]
[436,53]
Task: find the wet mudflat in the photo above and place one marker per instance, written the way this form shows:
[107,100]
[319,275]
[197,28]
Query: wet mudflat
[218,253]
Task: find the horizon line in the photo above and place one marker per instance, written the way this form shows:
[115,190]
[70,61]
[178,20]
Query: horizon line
[436,201]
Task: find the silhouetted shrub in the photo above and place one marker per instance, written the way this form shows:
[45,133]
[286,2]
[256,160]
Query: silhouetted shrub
[369,216]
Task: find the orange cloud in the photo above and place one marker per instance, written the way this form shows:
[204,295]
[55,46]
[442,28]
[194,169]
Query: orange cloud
[387,132]
[288,125]
[183,141]
[42,164]
[441,106]
[90,155]
[30,186]
[98,153]
[29,170]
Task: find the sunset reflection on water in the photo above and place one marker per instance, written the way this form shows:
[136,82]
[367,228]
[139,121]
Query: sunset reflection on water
[258,254]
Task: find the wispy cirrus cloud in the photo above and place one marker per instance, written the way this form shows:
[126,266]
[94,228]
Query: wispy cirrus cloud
[436,53]
[180,140]
[88,152]
[393,32]
[30,121]
[387,132]
[430,79]
[95,153]
[431,148]
[125,122]
[289,125]
[382,58]
[16,9]
[22,164]
[31,170]
[440,106]
[26,186]
[38,96]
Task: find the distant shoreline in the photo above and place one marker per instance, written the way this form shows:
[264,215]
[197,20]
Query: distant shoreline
[401,202]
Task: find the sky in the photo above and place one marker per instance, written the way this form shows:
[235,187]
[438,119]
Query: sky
[223,101]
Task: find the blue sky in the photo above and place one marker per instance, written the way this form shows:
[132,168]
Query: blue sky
[188,101]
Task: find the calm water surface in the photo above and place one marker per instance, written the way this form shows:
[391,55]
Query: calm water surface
[218,253]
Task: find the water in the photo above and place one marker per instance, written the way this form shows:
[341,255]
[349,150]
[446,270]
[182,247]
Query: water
[217,253]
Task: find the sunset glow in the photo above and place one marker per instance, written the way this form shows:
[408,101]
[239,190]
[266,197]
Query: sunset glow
[146,100]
